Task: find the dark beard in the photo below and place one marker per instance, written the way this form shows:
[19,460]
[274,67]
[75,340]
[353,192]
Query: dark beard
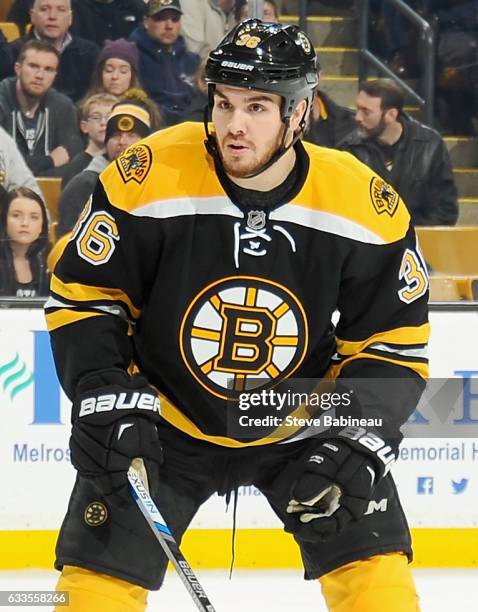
[374,133]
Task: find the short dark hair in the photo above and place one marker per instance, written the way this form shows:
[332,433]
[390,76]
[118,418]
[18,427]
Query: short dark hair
[38,45]
[389,92]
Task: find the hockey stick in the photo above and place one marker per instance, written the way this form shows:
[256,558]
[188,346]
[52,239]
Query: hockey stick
[166,539]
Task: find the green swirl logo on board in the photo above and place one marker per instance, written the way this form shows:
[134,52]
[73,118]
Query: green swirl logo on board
[15,377]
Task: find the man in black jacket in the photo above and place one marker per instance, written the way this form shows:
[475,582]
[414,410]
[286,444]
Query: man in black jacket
[42,121]
[51,20]
[98,20]
[412,157]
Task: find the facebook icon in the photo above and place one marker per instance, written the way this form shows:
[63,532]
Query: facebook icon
[425,485]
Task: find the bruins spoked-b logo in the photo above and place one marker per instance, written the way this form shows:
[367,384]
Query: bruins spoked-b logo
[135,163]
[384,197]
[96,514]
[241,333]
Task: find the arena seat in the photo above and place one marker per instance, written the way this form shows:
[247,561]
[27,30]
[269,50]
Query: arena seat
[453,288]
[450,250]
[10,30]
[52,232]
[51,188]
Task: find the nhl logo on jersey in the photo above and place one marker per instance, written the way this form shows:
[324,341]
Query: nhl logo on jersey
[256,219]
[135,163]
[242,333]
[96,514]
[384,197]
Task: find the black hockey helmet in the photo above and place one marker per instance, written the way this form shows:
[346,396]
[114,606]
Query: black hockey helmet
[269,57]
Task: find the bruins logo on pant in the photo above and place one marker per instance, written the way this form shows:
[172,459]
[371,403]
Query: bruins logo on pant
[96,514]
[241,333]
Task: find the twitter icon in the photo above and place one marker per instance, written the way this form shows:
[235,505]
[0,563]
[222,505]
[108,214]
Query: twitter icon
[460,486]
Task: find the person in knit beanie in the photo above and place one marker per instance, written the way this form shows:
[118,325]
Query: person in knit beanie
[116,68]
[129,121]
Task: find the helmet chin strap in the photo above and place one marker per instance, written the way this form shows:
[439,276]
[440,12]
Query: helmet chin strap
[213,149]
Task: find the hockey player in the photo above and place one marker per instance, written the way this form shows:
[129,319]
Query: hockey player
[198,273]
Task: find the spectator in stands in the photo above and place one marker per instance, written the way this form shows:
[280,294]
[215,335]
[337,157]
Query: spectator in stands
[270,12]
[99,20]
[399,38]
[51,20]
[456,25]
[329,122]
[412,157]
[13,170]
[129,122]
[195,110]
[19,13]
[116,68]
[205,23]
[23,244]
[166,67]
[94,114]
[5,57]
[42,121]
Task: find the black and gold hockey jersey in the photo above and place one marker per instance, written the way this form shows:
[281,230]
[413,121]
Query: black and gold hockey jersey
[166,274]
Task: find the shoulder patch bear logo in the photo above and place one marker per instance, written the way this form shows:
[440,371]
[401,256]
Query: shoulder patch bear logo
[135,163]
[384,197]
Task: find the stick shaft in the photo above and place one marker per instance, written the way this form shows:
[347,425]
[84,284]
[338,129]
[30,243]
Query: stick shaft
[166,539]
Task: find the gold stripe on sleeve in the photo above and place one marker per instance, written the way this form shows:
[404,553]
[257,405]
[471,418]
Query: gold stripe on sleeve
[401,335]
[65,316]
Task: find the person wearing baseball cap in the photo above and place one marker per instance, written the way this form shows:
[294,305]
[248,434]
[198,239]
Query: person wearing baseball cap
[155,7]
[130,120]
[166,67]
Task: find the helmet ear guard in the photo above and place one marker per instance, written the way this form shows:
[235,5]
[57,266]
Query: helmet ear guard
[272,58]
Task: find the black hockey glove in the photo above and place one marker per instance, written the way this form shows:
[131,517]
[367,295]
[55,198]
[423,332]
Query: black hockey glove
[114,420]
[336,485]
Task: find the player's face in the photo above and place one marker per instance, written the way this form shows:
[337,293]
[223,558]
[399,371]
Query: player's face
[24,221]
[369,117]
[37,72]
[116,76]
[248,127]
[95,124]
[51,18]
[164,27]
[119,142]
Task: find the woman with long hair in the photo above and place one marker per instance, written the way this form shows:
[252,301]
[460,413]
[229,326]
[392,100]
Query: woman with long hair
[116,68]
[23,244]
